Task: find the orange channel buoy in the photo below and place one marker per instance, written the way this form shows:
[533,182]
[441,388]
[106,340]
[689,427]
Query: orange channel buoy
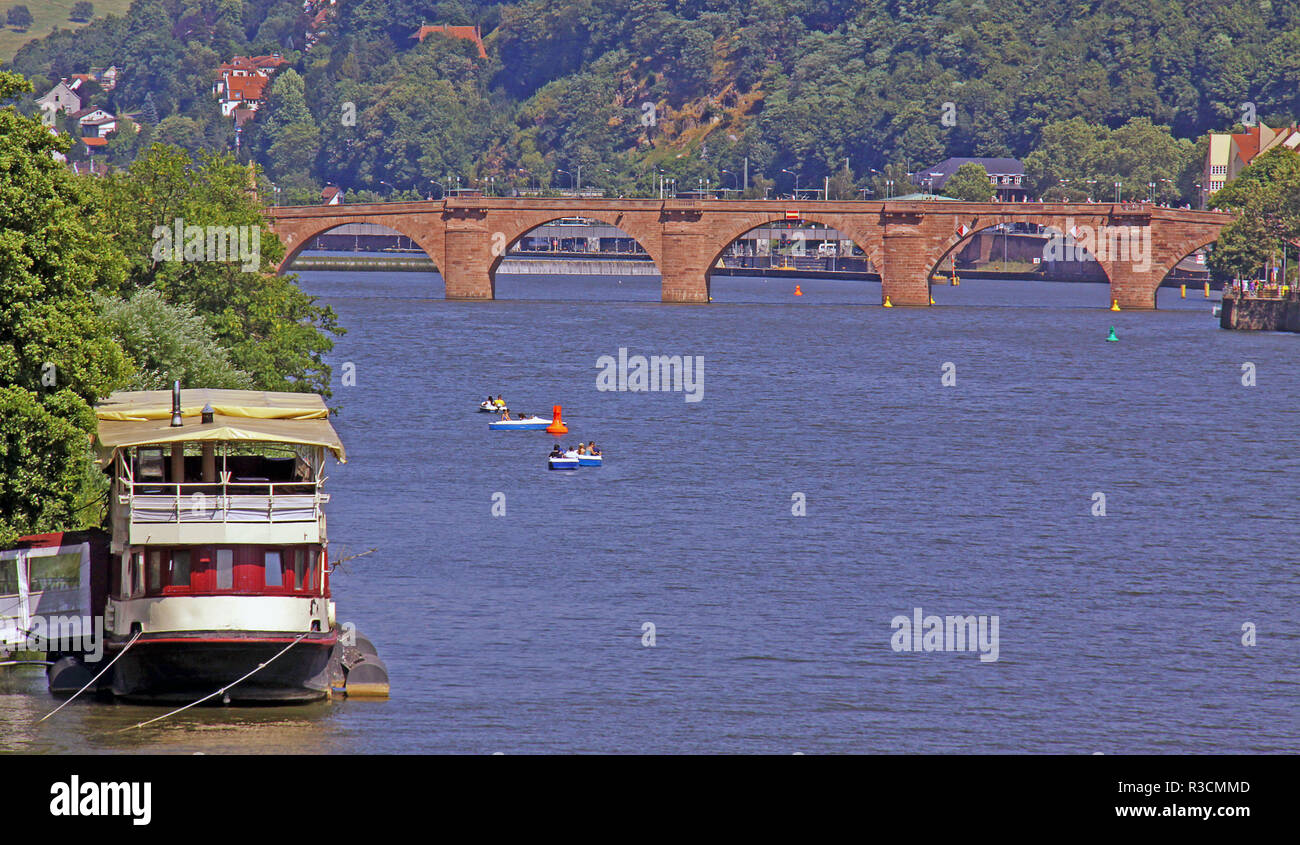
[797,292]
[557,425]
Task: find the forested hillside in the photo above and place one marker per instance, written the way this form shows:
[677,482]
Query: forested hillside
[624,88]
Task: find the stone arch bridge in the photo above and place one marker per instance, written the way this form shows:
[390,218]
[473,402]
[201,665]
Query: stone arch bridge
[467,237]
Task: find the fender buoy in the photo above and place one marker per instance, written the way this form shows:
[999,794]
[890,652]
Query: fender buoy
[557,425]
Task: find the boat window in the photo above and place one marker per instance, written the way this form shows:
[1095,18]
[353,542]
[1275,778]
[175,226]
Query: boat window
[274,571]
[299,569]
[137,574]
[124,583]
[180,574]
[8,577]
[225,569]
[155,572]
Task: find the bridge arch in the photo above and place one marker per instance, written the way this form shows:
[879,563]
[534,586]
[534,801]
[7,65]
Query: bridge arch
[958,239]
[865,236]
[301,233]
[511,231]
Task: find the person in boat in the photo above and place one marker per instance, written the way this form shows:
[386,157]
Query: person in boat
[592,448]
[582,450]
[505,415]
[500,403]
[557,452]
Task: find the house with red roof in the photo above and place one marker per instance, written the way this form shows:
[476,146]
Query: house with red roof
[1230,152]
[469,33]
[242,82]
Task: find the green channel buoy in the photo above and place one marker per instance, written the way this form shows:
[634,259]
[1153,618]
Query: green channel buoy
[1112,338]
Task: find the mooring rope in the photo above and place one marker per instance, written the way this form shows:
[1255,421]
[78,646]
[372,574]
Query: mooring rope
[25,663]
[259,668]
[125,648]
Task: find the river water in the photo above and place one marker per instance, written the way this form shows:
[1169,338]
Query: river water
[525,632]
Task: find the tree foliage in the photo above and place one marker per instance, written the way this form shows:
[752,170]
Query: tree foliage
[970,182]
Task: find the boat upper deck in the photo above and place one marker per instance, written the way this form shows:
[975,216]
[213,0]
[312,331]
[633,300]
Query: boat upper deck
[216,466]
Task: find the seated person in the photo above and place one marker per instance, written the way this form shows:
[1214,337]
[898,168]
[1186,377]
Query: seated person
[505,415]
[500,403]
[592,448]
[582,450]
[556,452]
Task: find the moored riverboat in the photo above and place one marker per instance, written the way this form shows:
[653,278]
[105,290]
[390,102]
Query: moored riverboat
[218,569]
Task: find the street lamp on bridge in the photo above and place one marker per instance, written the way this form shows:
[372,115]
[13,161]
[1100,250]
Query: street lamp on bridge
[796,181]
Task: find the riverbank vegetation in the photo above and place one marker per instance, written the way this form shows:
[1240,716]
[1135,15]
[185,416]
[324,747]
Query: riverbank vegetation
[86,309]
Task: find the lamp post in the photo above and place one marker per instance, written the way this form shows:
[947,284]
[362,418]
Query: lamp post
[1118,186]
[570,175]
[796,181]
[442,192]
[889,188]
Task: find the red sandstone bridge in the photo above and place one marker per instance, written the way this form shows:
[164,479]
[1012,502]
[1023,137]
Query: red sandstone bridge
[907,241]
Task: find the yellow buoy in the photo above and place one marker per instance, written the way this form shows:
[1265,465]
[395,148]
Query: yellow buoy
[1182,291]
[956,280]
[1114,305]
[932,300]
[1207,290]
[888,304]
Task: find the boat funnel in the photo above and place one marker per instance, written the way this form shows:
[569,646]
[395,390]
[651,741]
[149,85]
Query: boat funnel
[176,404]
[557,425]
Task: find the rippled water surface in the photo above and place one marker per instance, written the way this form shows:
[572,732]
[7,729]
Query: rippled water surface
[523,632]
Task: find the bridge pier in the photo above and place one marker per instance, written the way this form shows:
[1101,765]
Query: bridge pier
[684,265]
[467,262]
[1135,290]
[906,259]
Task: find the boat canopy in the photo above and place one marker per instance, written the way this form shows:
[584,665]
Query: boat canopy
[143,418]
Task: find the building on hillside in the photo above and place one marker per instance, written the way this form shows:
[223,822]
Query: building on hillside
[95,122]
[331,195]
[106,77]
[241,84]
[1006,175]
[61,97]
[469,33]
[1229,153]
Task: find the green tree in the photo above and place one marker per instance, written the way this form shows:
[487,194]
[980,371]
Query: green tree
[970,183]
[57,356]
[1266,198]
[168,343]
[272,330]
[82,11]
[289,135]
[20,17]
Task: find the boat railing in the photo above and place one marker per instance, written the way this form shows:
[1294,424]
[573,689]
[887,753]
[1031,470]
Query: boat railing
[233,500]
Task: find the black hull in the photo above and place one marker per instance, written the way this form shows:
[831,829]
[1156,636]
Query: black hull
[181,670]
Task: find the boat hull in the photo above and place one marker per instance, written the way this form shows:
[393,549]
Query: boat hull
[516,425]
[590,461]
[185,668]
[562,463]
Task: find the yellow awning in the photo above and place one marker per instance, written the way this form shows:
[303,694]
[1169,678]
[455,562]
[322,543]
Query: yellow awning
[249,404]
[136,418]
